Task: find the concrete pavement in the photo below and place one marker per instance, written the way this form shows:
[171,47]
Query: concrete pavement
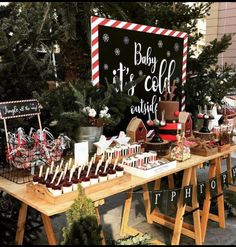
[111,213]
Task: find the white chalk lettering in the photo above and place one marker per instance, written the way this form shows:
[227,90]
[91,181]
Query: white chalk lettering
[173,195]
[213,184]
[146,60]
[145,107]
[156,197]
[188,192]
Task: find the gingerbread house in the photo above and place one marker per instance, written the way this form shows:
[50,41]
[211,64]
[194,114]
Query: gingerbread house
[136,130]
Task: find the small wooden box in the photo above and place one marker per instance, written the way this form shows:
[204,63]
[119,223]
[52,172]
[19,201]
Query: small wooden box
[42,192]
[224,147]
[204,152]
[204,136]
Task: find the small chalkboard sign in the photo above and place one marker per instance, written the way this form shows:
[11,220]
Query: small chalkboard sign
[20,108]
[128,51]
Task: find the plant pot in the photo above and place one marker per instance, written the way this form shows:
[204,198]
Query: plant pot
[91,134]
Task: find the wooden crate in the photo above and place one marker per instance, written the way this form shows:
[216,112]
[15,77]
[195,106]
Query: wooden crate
[224,147]
[42,192]
[204,136]
[204,152]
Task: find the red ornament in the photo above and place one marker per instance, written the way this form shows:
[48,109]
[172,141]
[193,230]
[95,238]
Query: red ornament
[177,113]
[149,122]
[200,115]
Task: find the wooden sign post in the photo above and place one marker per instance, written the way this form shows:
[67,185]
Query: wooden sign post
[128,51]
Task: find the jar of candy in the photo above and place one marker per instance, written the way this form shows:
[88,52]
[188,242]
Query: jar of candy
[180,152]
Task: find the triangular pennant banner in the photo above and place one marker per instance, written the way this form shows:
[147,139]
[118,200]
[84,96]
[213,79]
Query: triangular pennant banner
[224,180]
[164,198]
[157,198]
[173,196]
[201,191]
[233,173]
[187,195]
[213,186]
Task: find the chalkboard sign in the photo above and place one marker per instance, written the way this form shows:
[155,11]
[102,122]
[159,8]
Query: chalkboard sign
[129,50]
[21,108]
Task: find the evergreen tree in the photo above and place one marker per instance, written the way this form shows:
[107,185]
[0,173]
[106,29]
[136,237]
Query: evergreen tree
[23,68]
[204,77]
[68,23]
[202,71]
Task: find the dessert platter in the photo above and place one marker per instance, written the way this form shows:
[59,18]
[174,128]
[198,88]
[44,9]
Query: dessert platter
[118,162]
[146,167]
[60,182]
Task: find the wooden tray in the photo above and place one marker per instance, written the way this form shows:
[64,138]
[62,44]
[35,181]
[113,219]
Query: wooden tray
[204,152]
[224,147]
[204,136]
[42,192]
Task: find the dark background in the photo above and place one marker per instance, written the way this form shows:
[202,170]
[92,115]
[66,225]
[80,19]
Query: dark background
[126,56]
[33,108]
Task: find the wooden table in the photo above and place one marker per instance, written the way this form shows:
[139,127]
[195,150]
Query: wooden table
[196,231]
[47,209]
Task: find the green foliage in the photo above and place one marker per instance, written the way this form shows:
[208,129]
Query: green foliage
[28,27]
[65,104]
[84,231]
[82,227]
[138,239]
[22,68]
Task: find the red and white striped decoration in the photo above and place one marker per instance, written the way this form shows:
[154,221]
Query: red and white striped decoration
[97,21]
[184,69]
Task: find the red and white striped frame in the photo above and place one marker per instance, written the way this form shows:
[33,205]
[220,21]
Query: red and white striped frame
[98,21]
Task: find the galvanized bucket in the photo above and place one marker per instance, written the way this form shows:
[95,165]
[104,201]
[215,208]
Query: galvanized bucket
[91,134]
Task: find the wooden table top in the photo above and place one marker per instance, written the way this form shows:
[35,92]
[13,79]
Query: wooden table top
[19,190]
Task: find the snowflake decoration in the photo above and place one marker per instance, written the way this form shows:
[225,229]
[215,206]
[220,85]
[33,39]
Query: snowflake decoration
[105,37]
[168,53]
[105,66]
[160,44]
[177,79]
[176,47]
[117,51]
[126,40]
[140,73]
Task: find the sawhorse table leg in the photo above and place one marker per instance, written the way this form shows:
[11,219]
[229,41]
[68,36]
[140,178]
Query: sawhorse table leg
[49,229]
[125,229]
[181,209]
[177,224]
[21,224]
[214,170]
[196,213]
[126,211]
[96,204]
